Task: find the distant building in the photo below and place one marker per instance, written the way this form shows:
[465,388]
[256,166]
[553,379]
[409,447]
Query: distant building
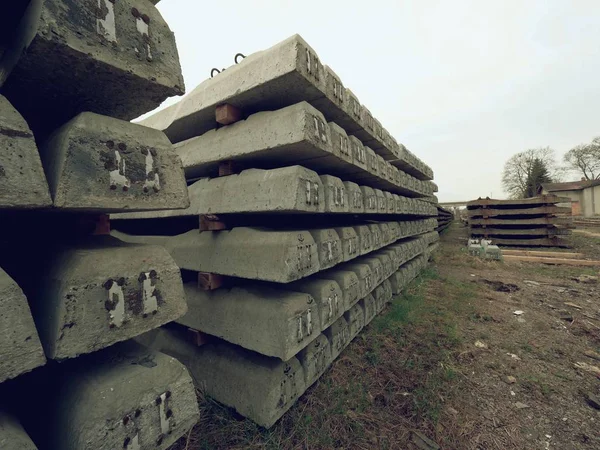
[584,195]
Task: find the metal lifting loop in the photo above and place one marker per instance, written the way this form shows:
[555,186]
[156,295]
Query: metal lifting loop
[213,70]
[235,58]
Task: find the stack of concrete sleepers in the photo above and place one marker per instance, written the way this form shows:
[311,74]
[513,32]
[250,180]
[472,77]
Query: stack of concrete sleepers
[536,221]
[445,218]
[306,217]
[72,75]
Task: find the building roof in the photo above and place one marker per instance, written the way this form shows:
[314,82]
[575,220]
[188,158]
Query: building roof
[570,185]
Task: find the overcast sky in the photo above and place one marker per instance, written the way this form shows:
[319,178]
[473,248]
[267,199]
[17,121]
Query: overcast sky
[463,84]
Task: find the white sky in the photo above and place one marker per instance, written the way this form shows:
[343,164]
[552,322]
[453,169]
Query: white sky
[463,84]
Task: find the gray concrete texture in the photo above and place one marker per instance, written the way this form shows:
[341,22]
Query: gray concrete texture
[369,307]
[338,335]
[329,247]
[284,74]
[365,276]
[348,282]
[315,359]
[126,49]
[22,180]
[97,163]
[20,348]
[365,239]
[330,302]
[134,399]
[350,242]
[355,317]
[273,322]
[381,201]
[286,190]
[256,386]
[12,434]
[104,292]
[296,134]
[252,253]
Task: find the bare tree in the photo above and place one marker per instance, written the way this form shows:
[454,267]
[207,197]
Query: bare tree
[518,170]
[585,159]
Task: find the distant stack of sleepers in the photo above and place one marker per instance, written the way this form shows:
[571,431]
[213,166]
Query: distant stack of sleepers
[536,221]
[306,217]
[445,218]
[72,75]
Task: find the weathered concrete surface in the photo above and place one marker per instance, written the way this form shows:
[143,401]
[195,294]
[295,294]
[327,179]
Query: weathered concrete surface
[12,434]
[20,348]
[350,242]
[126,50]
[272,322]
[376,236]
[386,263]
[518,222]
[256,386]
[284,74]
[365,274]
[330,302]
[355,197]
[315,359]
[365,239]
[355,317]
[329,247]
[370,308]
[516,212]
[104,292]
[287,189]
[297,134]
[348,282]
[537,231]
[391,202]
[539,200]
[381,201]
[126,397]
[369,199]
[338,335]
[386,235]
[395,232]
[22,180]
[253,253]
[97,163]
[336,198]
[376,268]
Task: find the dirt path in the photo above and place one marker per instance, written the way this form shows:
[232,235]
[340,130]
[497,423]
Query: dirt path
[450,364]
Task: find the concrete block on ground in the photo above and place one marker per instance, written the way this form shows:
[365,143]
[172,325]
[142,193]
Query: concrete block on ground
[387,287]
[126,397]
[335,196]
[355,317]
[365,276]
[126,50]
[327,294]
[252,253]
[370,308]
[315,359]
[379,294]
[348,282]
[338,335]
[22,180]
[386,263]
[103,292]
[350,242]
[365,239]
[370,200]
[256,386]
[12,434]
[329,247]
[97,163]
[355,197]
[20,348]
[269,321]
